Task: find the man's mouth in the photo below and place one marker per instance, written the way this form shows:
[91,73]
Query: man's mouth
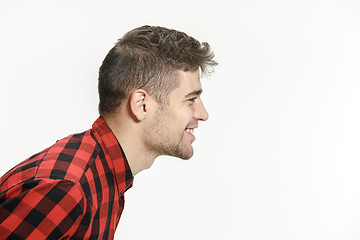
[190,132]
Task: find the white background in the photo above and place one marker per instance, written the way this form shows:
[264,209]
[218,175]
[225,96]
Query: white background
[279,156]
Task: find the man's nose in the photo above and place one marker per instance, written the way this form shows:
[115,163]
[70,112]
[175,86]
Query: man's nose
[200,112]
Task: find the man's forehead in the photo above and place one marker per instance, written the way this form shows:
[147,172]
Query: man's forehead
[189,83]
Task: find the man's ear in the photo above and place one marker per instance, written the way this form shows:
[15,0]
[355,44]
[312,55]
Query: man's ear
[138,104]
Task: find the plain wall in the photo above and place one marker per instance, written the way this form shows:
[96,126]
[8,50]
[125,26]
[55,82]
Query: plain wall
[278,158]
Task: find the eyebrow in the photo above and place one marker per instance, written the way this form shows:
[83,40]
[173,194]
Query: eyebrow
[194,93]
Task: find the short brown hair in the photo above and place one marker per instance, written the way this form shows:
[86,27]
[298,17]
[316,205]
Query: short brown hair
[148,57]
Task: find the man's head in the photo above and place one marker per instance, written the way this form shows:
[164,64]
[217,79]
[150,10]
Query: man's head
[149,85]
[149,58]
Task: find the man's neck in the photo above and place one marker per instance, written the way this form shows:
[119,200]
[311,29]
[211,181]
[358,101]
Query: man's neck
[138,157]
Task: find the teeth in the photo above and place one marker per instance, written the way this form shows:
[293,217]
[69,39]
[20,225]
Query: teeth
[190,130]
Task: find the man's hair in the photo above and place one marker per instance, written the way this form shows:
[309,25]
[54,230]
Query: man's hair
[149,58]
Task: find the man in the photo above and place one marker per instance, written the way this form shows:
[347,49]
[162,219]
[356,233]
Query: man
[149,89]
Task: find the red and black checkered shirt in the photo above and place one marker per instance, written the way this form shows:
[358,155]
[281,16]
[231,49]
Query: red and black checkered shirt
[72,190]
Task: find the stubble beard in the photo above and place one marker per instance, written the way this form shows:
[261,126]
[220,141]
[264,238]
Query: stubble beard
[161,141]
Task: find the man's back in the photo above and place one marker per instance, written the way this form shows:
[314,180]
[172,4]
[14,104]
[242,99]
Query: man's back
[69,189]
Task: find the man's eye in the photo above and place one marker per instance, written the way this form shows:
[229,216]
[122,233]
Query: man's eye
[192,99]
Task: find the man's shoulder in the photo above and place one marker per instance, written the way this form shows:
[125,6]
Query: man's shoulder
[70,157]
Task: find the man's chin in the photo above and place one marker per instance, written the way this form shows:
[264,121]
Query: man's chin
[185,155]
[178,152]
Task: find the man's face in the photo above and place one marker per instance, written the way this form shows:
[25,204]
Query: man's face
[172,127]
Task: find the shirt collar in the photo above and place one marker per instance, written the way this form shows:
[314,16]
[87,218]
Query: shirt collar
[114,155]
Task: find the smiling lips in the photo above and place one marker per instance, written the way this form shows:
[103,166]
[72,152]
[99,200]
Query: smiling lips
[190,132]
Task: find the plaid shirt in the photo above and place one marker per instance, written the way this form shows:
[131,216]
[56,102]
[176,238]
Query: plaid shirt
[72,190]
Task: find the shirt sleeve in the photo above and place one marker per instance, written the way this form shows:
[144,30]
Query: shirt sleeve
[41,209]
